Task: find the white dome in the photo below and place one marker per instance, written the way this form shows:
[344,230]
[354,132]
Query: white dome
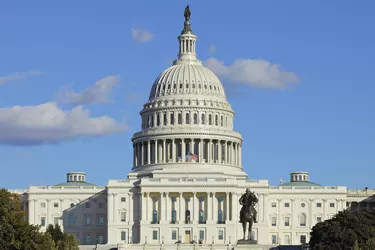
[187,78]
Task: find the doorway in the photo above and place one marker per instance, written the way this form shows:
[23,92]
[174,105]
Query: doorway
[187,236]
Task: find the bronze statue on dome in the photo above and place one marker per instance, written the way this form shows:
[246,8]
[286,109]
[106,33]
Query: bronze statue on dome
[187,13]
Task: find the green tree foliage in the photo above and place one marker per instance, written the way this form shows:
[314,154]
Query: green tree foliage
[69,242]
[55,232]
[346,231]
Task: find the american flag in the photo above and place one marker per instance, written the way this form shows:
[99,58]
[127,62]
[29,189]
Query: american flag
[191,157]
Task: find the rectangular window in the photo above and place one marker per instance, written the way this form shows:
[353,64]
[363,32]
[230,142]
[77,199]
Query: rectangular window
[286,204]
[42,205]
[87,205]
[273,204]
[101,205]
[274,239]
[221,235]
[101,220]
[286,221]
[174,235]
[87,239]
[273,221]
[303,239]
[318,204]
[55,220]
[72,219]
[100,239]
[201,234]
[55,204]
[123,199]
[88,220]
[331,204]
[42,221]
[155,235]
[123,235]
[318,219]
[286,239]
[123,216]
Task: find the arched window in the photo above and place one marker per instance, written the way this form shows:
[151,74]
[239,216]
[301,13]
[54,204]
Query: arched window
[221,121]
[202,119]
[75,177]
[179,118]
[201,217]
[172,119]
[302,220]
[174,216]
[152,121]
[209,119]
[187,216]
[300,177]
[187,121]
[216,120]
[158,120]
[220,216]
[154,217]
[165,119]
[195,119]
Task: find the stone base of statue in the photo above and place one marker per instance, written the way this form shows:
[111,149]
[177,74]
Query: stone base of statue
[247,244]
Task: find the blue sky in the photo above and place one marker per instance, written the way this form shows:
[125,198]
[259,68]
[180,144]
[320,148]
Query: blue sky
[80,72]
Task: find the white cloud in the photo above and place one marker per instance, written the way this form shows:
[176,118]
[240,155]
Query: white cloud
[142,36]
[47,123]
[18,76]
[96,94]
[253,72]
[212,49]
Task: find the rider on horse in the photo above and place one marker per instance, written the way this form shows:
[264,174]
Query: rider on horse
[248,201]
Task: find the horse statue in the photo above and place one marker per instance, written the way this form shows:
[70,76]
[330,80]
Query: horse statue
[248,213]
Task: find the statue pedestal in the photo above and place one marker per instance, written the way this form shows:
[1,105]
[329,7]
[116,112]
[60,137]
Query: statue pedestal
[247,244]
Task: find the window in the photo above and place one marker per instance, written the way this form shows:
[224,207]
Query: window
[123,216]
[209,119]
[202,119]
[221,121]
[187,216]
[100,239]
[286,204]
[101,205]
[274,239]
[164,119]
[201,216]
[302,220]
[179,118]
[71,204]
[172,119]
[286,239]
[303,204]
[87,239]
[201,234]
[273,204]
[42,221]
[88,220]
[155,235]
[123,235]
[187,121]
[42,205]
[158,120]
[154,216]
[72,219]
[220,216]
[331,204]
[152,121]
[318,204]
[174,216]
[174,235]
[101,220]
[195,119]
[318,219]
[216,120]
[286,221]
[55,220]
[273,221]
[87,205]
[123,199]
[303,239]
[55,204]
[221,235]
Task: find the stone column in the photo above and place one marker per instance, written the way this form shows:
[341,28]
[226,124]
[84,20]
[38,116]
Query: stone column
[226,153]
[227,206]
[142,154]
[219,149]
[109,210]
[183,150]
[173,151]
[156,152]
[214,208]
[162,208]
[164,150]
[191,148]
[114,207]
[310,214]
[167,214]
[324,209]
[209,207]
[148,207]
[48,213]
[209,151]
[130,195]
[235,214]
[260,208]
[149,152]
[200,155]
[292,214]
[180,214]
[240,154]
[31,211]
[265,208]
[278,213]
[194,208]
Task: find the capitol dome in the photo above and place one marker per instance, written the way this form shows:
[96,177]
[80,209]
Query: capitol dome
[187,122]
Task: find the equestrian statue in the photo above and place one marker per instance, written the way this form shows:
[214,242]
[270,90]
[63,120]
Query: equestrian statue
[248,214]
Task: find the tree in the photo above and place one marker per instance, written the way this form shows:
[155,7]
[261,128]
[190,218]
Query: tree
[55,232]
[69,242]
[345,231]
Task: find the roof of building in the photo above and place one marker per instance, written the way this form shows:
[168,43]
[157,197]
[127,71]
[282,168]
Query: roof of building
[300,184]
[75,184]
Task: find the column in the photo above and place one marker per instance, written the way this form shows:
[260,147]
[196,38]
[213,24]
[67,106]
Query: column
[240,154]
[200,150]
[278,213]
[219,150]
[142,154]
[292,213]
[310,215]
[130,207]
[227,207]
[167,214]
[162,207]
[180,214]
[31,211]
[226,153]
[191,148]
[164,150]
[48,214]
[173,151]
[149,152]
[265,208]
[110,211]
[195,208]
[234,204]
[235,154]
[114,207]
[260,208]
[209,207]
[183,150]
[209,148]
[214,207]
[156,151]
[324,209]
[148,206]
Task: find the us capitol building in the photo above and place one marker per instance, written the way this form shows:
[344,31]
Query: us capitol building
[187,178]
